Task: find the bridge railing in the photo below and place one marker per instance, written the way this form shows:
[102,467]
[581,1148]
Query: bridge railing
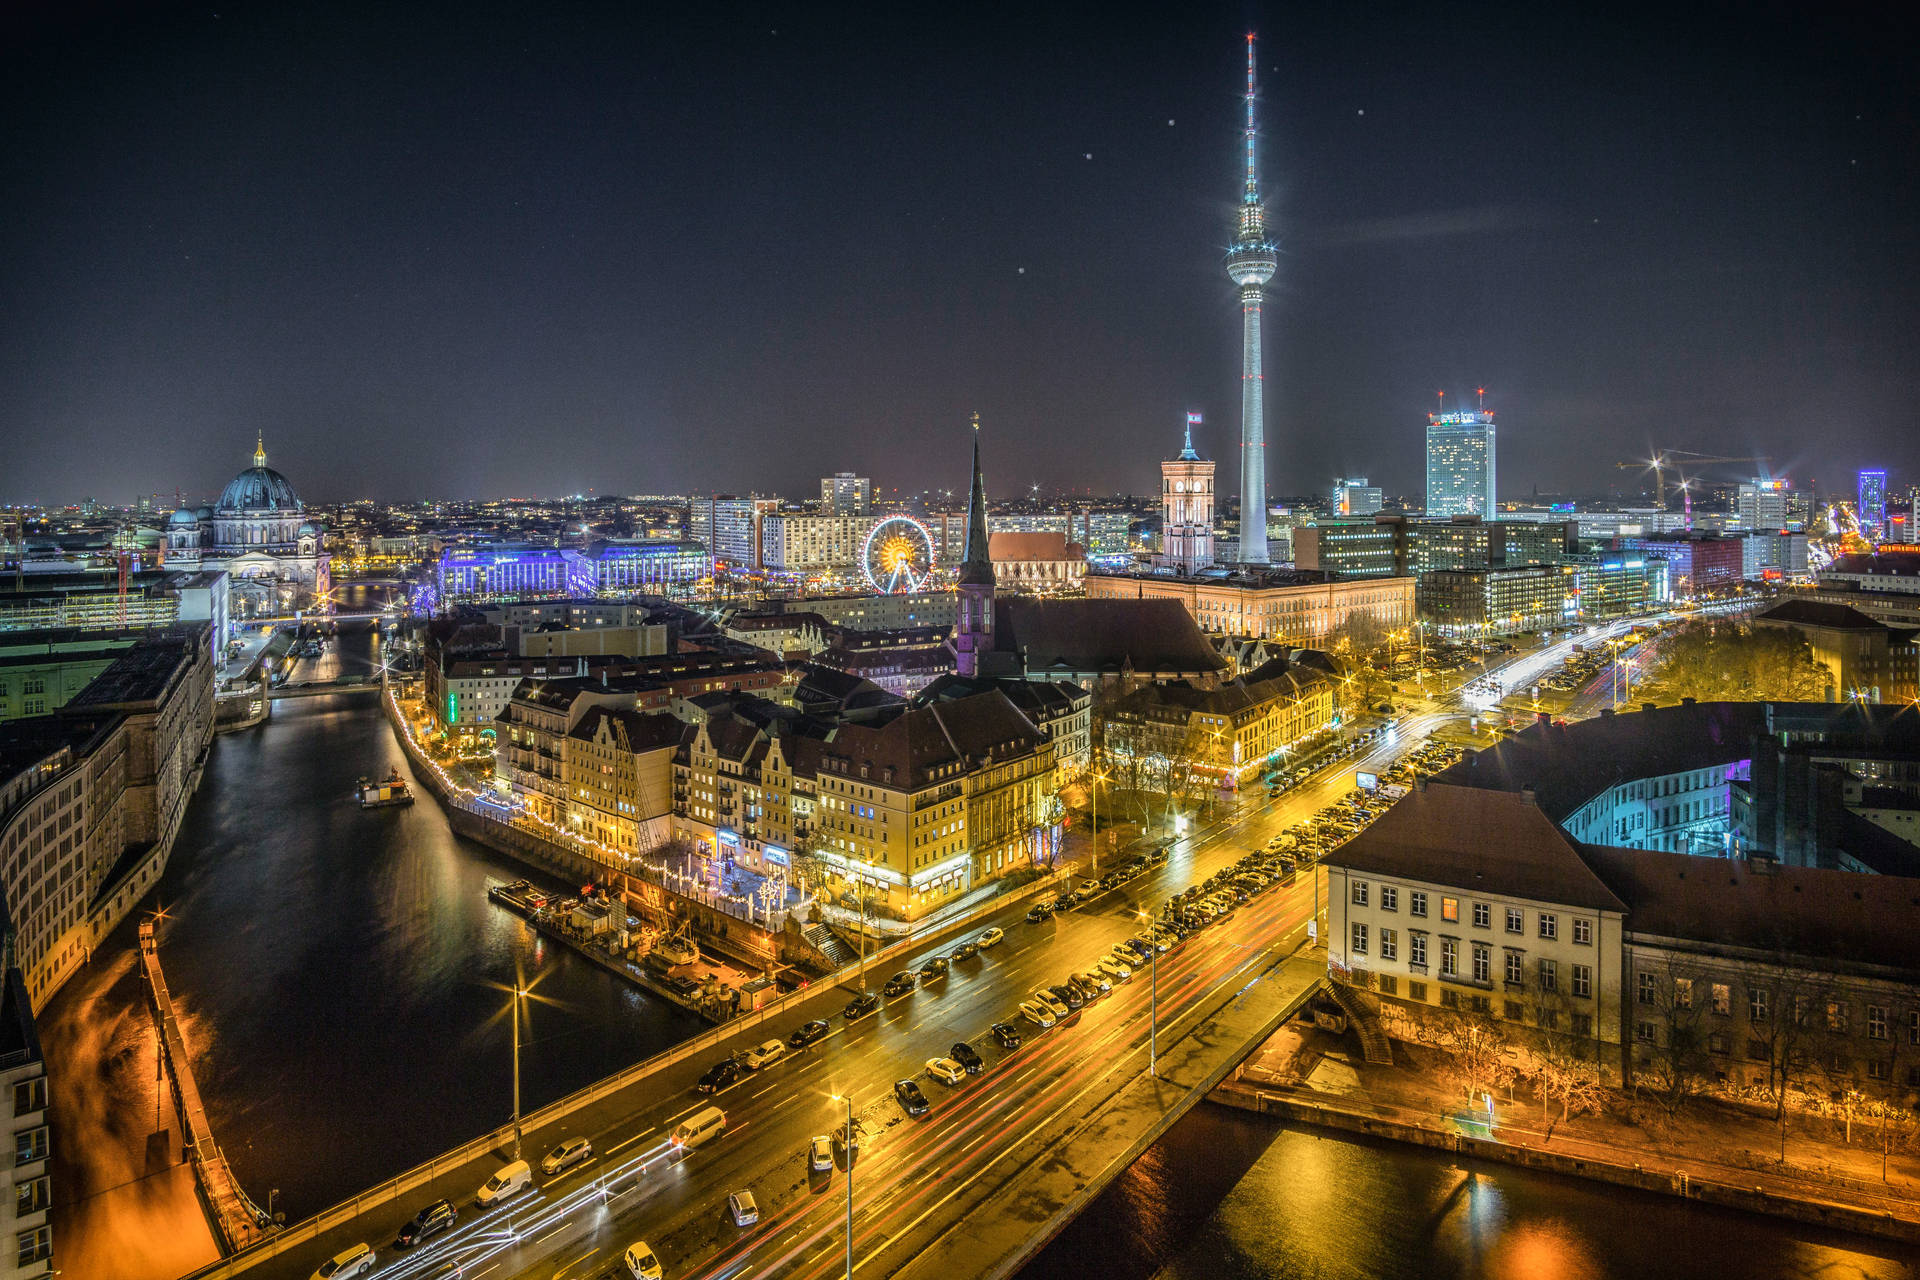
[421,1175]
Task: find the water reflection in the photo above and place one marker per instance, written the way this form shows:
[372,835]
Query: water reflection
[1229,1196]
[339,971]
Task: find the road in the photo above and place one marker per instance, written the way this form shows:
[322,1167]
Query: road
[575,1226]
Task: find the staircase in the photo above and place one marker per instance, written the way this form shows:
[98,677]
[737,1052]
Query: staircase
[1374,1044]
[830,944]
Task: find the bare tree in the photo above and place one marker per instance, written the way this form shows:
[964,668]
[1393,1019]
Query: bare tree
[1478,1047]
[1676,1061]
[1785,1028]
[1563,1064]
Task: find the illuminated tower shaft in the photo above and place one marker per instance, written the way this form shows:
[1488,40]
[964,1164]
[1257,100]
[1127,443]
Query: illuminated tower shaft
[1250,264]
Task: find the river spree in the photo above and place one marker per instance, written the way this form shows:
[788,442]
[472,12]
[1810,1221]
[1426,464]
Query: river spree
[1232,1196]
[342,981]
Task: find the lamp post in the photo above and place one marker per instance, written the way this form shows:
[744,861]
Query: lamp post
[519,991]
[848,1100]
[1153,1016]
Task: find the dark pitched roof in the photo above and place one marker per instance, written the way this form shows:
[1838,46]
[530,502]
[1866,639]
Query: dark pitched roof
[1046,544]
[1816,613]
[1477,841]
[1806,911]
[1105,636]
[1568,764]
[632,730]
[904,751]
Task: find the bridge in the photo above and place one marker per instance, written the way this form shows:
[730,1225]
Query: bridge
[1004,1159]
[322,688]
[236,1219]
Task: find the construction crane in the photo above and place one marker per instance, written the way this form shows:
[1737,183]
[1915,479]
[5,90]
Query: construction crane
[1669,460]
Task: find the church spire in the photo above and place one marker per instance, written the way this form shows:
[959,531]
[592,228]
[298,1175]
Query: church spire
[973,630]
[259,450]
[977,566]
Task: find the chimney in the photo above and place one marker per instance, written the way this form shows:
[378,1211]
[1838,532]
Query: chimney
[1606,711]
[1420,782]
[1687,702]
[1528,797]
[1543,717]
[1646,706]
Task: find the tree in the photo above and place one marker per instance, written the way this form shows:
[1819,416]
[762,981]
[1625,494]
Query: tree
[1562,1064]
[1478,1047]
[1359,636]
[1785,1027]
[1676,1060]
[1721,660]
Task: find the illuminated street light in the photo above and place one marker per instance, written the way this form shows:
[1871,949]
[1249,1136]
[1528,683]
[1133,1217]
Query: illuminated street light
[848,1100]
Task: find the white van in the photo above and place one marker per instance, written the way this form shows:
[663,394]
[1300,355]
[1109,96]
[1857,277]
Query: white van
[511,1180]
[699,1127]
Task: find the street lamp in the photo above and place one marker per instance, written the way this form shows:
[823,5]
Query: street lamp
[1153,1017]
[519,993]
[848,1100]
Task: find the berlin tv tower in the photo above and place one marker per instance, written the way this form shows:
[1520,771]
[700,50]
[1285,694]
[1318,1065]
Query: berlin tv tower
[1250,264]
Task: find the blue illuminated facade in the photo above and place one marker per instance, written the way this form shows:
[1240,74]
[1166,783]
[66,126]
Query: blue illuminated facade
[508,571]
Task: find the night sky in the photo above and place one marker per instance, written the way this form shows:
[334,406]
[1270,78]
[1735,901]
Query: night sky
[538,249]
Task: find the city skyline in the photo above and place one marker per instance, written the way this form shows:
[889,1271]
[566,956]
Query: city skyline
[435,243]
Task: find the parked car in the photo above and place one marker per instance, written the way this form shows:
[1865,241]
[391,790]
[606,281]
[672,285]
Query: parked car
[807,1032]
[991,938]
[1053,1003]
[847,1140]
[967,1056]
[1068,995]
[1006,1035]
[346,1264]
[719,1076]
[765,1054]
[900,983]
[508,1181]
[912,1101]
[1040,1015]
[569,1153]
[936,967]
[430,1221]
[1039,911]
[742,1209]
[946,1070]
[861,1006]
[1116,969]
[965,951]
[641,1262]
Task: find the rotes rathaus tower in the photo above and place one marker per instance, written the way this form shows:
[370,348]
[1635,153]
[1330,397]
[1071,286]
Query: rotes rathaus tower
[1250,264]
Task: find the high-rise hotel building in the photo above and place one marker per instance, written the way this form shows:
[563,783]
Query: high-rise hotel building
[1460,449]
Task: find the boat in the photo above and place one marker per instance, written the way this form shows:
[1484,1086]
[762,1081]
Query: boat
[390,790]
[679,949]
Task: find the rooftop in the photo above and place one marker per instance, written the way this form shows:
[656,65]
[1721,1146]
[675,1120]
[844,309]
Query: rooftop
[1805,911]
[1103,636]
[143,672]
[1478,841]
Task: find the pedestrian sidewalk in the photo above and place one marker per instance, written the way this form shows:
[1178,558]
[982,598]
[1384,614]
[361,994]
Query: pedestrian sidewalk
[1703,1139]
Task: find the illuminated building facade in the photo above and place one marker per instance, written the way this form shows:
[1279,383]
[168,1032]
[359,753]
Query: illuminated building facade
[1290,606]
[845,494]
[1761,505]
[1465,603]
[729,527]
[1186,509]
[1353,496]
[1872,507]
[258,534]
[1460,464]
[516,571]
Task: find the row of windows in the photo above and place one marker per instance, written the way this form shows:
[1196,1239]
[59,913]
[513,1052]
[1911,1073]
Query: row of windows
[1836,1013]
[1546,971]
[1547,923]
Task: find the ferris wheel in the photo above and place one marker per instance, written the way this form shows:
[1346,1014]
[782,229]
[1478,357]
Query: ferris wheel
[898,555]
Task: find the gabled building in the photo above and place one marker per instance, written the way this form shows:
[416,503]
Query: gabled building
[1230,730]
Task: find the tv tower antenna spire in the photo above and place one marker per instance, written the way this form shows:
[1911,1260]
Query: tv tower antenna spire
[1251,262]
